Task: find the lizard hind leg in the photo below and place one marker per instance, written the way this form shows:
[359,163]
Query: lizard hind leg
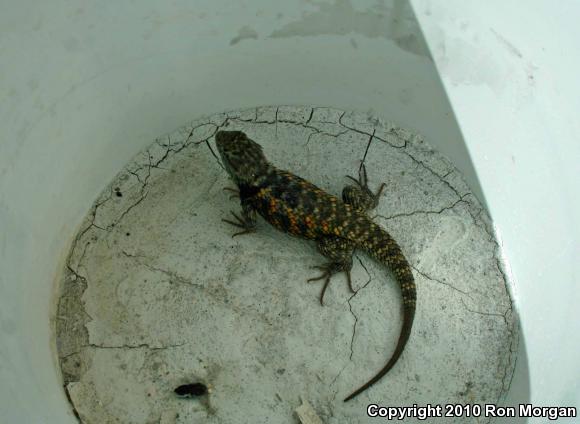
[360,196]
[339,252]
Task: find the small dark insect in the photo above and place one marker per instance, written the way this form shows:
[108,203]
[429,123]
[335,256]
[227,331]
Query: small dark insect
[191,390]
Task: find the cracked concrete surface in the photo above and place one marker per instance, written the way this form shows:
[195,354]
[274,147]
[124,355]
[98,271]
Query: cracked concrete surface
[156,293]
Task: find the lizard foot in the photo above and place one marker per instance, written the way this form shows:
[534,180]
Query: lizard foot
[360,196]
[328,271]
[246,225]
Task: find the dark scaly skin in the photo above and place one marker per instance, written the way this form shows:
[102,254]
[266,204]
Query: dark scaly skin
[297,207]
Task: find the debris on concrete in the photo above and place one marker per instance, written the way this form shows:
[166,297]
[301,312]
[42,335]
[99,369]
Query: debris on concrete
[307,414]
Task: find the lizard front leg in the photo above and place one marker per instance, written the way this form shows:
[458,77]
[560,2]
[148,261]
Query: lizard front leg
[360,196]
[339,251]
[246,221]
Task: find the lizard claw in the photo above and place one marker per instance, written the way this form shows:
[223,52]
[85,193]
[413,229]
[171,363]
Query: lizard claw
[235,192]
[362,180]
[320,267]
[349,282]
[326,275]
[327,272]
[246,226]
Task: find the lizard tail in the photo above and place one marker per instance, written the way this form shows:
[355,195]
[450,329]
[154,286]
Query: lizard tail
[383,248]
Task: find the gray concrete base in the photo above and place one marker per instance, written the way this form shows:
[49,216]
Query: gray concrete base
[157,293]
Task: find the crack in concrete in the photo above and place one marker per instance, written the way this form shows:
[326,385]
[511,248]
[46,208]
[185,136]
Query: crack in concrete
[441,282]
[490,314]
[356,130]
[75,270]
[72,405]
[136,175]
[350,306]
[419,212]
[338,375]
[85,230]
[353,329]
[219,162]
[323,122]
[130,347]
[421,163]
[362,162]
[206,289]
[171,149]
[511,362]
[513,349]
[70,354]
[173,276]
[206,140]
[125,212]
[82,257]
[404,150]
[316,131]
[334,381]
[514,337]
[307,125]
[479,223]
[510,328]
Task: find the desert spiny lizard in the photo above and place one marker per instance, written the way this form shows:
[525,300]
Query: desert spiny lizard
[297,207]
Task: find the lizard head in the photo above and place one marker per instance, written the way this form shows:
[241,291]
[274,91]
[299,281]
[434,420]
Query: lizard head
[242,157]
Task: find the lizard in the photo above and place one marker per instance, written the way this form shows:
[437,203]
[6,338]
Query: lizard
[298,207]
